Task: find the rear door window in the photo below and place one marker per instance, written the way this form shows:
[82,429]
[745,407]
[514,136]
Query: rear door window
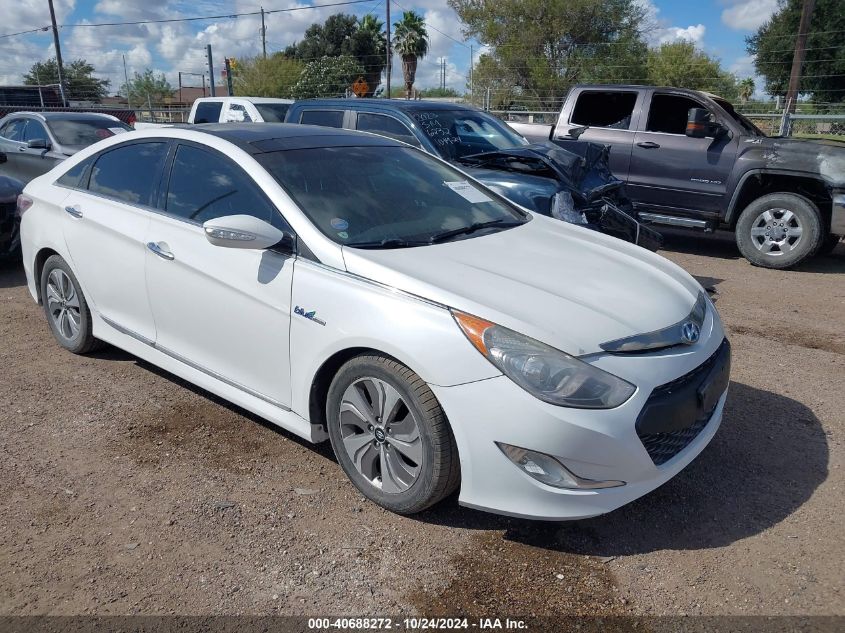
[77,176]
[208,112]
[605,109]
[326,118]
[129,173]
[386,126]
[668,113]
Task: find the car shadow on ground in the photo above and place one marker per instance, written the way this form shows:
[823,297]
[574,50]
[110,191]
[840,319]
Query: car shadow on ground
[767,459]
[721,245]
[11,274]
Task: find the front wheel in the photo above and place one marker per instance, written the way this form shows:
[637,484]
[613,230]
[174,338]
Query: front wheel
[779,230]
[390,435]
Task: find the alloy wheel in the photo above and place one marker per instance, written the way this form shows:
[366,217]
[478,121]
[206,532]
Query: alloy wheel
[381,435]
[63,304]
[776,232]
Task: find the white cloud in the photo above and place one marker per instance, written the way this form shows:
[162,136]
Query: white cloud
[748,14]
[660,31]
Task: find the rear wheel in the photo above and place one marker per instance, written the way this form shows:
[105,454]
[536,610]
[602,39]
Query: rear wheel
[65,307]
[779,230]
[390,435]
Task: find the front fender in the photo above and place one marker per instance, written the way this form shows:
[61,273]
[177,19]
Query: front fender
[338,311]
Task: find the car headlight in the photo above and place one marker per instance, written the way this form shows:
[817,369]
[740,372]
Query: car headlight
[545,372]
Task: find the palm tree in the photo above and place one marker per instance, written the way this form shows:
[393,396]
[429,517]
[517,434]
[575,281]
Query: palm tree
[410,39]
[371,42]
[746,89]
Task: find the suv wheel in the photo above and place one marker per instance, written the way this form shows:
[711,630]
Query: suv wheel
[779,230]
[390,435]
[65,306]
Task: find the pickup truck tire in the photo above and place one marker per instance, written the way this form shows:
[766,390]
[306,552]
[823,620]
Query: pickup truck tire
[779,230]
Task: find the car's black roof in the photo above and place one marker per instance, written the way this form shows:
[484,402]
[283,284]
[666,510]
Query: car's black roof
[257,138]
[399,104]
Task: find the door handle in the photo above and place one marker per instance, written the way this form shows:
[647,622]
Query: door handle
[22,148]
[648,145]
[74,211]
[158,250]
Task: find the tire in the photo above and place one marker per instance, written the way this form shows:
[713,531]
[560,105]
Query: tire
[829,244]
[404,460]
[779,230]
[65,307]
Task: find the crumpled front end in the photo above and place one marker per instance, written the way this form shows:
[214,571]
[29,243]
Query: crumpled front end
[573,184]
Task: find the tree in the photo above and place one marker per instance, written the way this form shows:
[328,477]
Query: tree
[80,83]
[540,48]
[343,34]
[327,77]
[330,39]
[410,40]
[824,65]
[682,65]
[428,93]
[274,76]
[746,89]
[369,47]
[147,88]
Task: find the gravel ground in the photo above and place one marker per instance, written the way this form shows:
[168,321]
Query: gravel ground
[125,490]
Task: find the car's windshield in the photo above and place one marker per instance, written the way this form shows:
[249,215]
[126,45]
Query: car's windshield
[747,126]
[272,112]
[85,132]
[387,197]
[457,133]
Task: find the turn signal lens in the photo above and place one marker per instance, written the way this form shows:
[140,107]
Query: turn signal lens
[474,328]
[24,203]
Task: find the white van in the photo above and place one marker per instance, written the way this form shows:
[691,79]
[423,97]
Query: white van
[239,110]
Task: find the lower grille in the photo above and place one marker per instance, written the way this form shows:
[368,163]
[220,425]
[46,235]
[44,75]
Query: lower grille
[662,447]
[676,412]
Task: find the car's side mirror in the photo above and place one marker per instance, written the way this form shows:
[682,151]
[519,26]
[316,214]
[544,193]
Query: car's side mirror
[246,231]
[699,124]
[38,143]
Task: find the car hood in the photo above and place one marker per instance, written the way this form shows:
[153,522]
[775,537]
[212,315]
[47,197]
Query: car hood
[569,287]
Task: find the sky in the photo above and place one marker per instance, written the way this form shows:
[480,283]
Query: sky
[718,27]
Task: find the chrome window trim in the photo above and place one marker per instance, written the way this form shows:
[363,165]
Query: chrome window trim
[193,365]
[662,338]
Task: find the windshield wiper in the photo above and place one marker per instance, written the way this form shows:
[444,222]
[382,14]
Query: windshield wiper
[391,242]
[472,228]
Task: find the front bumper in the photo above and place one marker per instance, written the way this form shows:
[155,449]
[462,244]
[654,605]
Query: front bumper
[594,444]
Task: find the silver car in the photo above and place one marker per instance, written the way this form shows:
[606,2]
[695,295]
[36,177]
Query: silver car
[32,143]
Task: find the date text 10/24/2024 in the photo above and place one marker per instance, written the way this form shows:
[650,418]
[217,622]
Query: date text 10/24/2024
[415,624]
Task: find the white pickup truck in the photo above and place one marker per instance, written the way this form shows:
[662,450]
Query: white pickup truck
[239,110]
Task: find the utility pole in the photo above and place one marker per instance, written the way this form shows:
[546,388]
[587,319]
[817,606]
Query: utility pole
[210,70]
[263,34]
[58,52]
[389,54]
[126,78]
[471,91]
[798,57]
[229,76]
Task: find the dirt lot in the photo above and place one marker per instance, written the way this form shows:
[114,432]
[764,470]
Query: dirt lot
[123,490]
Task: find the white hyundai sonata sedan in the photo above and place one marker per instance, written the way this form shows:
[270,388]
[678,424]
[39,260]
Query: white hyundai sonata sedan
[348,287]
